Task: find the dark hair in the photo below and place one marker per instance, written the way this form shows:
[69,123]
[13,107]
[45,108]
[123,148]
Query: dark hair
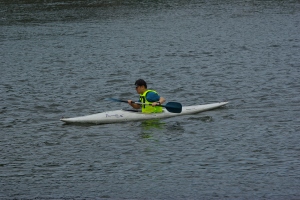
[141,82]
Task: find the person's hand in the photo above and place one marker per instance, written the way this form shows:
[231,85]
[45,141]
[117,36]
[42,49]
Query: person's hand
[129,102]
[155,103]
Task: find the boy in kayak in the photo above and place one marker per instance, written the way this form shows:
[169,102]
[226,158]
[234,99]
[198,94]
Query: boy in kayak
[150,97]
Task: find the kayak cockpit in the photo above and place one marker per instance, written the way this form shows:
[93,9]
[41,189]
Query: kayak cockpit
[139,111]
[133,110]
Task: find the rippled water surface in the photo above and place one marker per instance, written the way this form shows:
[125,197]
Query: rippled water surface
[65,58]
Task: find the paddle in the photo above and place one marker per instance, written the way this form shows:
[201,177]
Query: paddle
[173,107]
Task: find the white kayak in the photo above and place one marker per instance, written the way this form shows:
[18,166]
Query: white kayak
[130,115]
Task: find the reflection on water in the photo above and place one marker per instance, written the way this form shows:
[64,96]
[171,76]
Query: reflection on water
[202,118]
[151,126]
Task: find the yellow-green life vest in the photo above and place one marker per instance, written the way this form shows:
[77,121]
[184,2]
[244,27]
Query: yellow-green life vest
[149,108]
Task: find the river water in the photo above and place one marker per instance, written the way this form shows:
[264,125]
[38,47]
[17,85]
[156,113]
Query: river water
[65,58]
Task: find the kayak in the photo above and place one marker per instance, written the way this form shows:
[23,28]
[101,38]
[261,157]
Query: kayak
[117,116]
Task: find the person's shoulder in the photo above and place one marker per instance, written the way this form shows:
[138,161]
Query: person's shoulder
[152,92]
[152,96]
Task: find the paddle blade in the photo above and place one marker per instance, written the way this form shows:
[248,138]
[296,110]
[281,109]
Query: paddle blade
[173,107]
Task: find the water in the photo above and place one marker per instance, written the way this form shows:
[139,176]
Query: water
[65,58]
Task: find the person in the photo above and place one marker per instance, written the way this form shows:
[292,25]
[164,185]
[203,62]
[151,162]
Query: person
[150,97]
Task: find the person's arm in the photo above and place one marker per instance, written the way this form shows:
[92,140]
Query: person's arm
[162,100]
[159,102]
[155,98]
[134,105]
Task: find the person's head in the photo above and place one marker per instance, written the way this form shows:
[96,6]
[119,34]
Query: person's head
[140,86]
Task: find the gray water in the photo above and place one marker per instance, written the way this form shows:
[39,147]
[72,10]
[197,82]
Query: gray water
[65,58]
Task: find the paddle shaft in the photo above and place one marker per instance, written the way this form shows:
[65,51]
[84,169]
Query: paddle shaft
[150,104]
[174,107]
[140,103]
